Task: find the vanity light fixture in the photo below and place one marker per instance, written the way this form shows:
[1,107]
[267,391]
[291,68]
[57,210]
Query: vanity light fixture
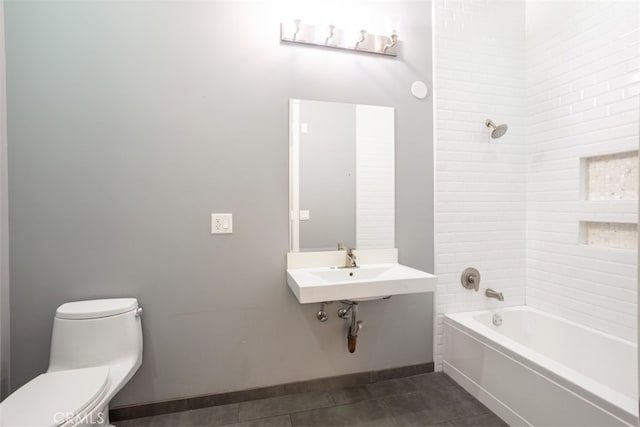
[394,40]
[362,39]
[329,36]
[296,24]
[332,30]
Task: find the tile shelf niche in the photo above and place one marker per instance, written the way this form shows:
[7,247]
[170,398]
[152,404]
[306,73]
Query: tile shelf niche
[608,184]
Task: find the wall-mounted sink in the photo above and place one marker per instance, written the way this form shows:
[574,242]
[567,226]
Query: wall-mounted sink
[368,281]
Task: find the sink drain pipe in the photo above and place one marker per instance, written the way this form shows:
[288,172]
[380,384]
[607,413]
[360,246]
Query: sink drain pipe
[356,325]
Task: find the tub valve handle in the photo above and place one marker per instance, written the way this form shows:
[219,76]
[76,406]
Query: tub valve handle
[470,279]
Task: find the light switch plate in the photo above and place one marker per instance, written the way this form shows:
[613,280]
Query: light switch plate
[305,215]
[221,223]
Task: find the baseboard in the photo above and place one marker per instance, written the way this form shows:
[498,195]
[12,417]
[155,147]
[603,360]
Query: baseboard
[319,384]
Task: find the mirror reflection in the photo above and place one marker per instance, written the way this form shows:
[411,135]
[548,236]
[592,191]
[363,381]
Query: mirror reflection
[342,176]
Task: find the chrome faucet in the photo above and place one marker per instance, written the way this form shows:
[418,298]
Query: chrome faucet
[350,260]
[490,293]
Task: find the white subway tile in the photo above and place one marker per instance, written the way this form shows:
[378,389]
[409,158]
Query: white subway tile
[511,207]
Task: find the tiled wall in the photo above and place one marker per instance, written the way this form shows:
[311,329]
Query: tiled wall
[565,77]
[582,81]
[480,183]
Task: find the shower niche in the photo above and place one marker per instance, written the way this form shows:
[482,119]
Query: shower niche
[608,191]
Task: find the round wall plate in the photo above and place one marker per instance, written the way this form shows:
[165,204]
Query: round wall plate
[470,279]
[419,89]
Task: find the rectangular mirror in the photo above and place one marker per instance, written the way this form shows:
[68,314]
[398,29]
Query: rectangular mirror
[341,176]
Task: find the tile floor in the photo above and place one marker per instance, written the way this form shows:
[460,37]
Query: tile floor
[422,400]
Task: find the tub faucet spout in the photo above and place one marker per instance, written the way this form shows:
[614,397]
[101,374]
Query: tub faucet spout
[490,293]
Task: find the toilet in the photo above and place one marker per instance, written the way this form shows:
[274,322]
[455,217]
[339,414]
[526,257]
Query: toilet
[96,347]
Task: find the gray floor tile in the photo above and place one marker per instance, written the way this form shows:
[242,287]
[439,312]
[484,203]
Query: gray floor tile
[464,409]
[414,402]
[406,403]
[427,417]
[432,380]
[392,387]
[408,422]
[448,395]
[415,410]
[427,400]
[283,405]
[344,396]
[369,413]
[134,422]
[437,387]
[168,420]
[206,417]
[485,420]
[280,421]
[356,394]
[213,416]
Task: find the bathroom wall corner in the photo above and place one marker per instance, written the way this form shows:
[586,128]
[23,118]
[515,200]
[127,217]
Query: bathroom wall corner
[480,204]
[4,226]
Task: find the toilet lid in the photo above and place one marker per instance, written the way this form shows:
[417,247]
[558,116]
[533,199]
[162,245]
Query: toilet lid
[95,309]
[51,399]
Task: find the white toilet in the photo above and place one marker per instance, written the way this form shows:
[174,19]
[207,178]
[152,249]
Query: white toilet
[96,347]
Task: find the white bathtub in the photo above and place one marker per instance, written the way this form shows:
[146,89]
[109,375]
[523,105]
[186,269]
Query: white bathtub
[542,370]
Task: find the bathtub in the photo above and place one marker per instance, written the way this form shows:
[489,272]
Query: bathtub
[539,369]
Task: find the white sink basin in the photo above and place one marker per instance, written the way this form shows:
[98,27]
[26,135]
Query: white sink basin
[365,282]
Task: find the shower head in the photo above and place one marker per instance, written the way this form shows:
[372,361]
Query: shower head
[497,131]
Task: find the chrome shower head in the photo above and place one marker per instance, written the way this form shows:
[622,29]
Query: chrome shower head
[497,131]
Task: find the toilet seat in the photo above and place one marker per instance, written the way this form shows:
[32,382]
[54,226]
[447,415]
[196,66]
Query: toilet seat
[51,399]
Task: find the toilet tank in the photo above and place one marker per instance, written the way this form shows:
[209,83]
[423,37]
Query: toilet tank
[106,332]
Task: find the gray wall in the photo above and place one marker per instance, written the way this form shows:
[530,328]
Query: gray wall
[130,122]
[328,175]
[4,226]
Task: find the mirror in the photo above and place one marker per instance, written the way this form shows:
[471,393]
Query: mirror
[341,176]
